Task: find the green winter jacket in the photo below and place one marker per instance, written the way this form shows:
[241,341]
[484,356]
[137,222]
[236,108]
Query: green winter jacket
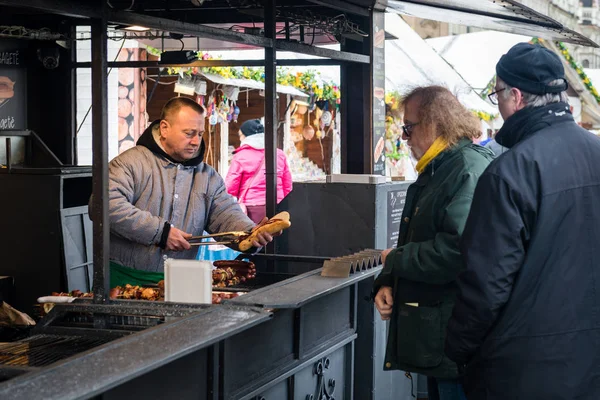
[422,270]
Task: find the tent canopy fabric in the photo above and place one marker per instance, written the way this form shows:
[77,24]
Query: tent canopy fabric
[411,62]
[474,55]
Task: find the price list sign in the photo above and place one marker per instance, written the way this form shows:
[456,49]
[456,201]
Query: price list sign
[12,89]
[395,205]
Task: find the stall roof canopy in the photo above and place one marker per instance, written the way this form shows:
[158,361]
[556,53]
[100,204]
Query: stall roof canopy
[333,18]
[251,84]
[500,15]
[475,55]
[410,61]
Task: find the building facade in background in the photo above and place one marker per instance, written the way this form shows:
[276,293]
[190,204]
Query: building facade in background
[589,25]
[579,15]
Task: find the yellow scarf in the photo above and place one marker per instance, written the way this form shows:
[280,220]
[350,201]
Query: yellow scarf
[436,148]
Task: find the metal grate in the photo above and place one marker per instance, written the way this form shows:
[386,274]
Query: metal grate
[115,321]
[42,350]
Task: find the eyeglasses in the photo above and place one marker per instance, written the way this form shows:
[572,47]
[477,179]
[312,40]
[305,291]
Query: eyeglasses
[408,128]
[494,96]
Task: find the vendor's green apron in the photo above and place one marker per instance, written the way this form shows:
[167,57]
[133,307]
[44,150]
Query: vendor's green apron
[121,275]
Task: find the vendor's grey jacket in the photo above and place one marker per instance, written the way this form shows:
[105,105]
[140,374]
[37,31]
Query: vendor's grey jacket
[148,190]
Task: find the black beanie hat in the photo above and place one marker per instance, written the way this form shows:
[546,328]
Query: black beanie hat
[530,68]
[252,127]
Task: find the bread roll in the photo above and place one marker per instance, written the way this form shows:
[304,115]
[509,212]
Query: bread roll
[276,224]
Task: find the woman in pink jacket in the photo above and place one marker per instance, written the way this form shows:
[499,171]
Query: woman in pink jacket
[246,177]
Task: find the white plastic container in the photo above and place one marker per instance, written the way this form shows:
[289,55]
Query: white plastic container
[188,281]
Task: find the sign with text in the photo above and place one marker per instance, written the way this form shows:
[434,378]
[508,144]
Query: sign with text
[13,89]
[395,205]
[378,65]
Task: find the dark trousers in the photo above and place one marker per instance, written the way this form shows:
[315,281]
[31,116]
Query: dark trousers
[445,389]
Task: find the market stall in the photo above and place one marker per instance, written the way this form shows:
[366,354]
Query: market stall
[294,333]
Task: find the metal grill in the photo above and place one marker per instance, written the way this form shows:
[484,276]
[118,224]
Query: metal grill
[115,321]
[42,350]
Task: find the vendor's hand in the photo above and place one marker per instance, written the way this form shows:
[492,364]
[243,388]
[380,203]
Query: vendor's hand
[384,255]
[263,238]
[177,240]
[384,302]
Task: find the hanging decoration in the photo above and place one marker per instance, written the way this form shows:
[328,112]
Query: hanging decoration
[393,99]
[489,88]
[484,116]
[304,81]
[327,117]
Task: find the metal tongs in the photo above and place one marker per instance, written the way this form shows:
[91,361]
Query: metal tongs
[223,238]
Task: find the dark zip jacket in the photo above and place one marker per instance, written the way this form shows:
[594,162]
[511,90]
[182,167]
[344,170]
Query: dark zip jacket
[423,268]
[527,317]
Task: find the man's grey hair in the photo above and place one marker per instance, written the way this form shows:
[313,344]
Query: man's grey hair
[538,100]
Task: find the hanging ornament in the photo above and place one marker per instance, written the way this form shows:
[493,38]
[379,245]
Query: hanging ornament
[236,113]
[318,114]
[326,118]
[308,132]
[230,114]
[224,106]
[214,119]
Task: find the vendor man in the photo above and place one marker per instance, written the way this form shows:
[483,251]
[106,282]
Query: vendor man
[161,193]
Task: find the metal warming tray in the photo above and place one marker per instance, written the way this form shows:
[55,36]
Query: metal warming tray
[70,329]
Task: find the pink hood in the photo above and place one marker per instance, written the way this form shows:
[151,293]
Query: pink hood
[246,160]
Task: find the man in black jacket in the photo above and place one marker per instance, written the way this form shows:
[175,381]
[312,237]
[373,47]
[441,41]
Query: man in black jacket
[526,324]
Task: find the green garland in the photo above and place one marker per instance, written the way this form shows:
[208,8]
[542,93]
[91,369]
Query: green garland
[489,88]
[484,116]
[577,67]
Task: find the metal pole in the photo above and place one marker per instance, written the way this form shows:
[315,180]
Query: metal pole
[356,107]
[8,155]
[100,159]
[270,111]
[72,143]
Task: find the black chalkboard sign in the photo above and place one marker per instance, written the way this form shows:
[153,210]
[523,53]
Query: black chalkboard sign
[13,89]
[395,205]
